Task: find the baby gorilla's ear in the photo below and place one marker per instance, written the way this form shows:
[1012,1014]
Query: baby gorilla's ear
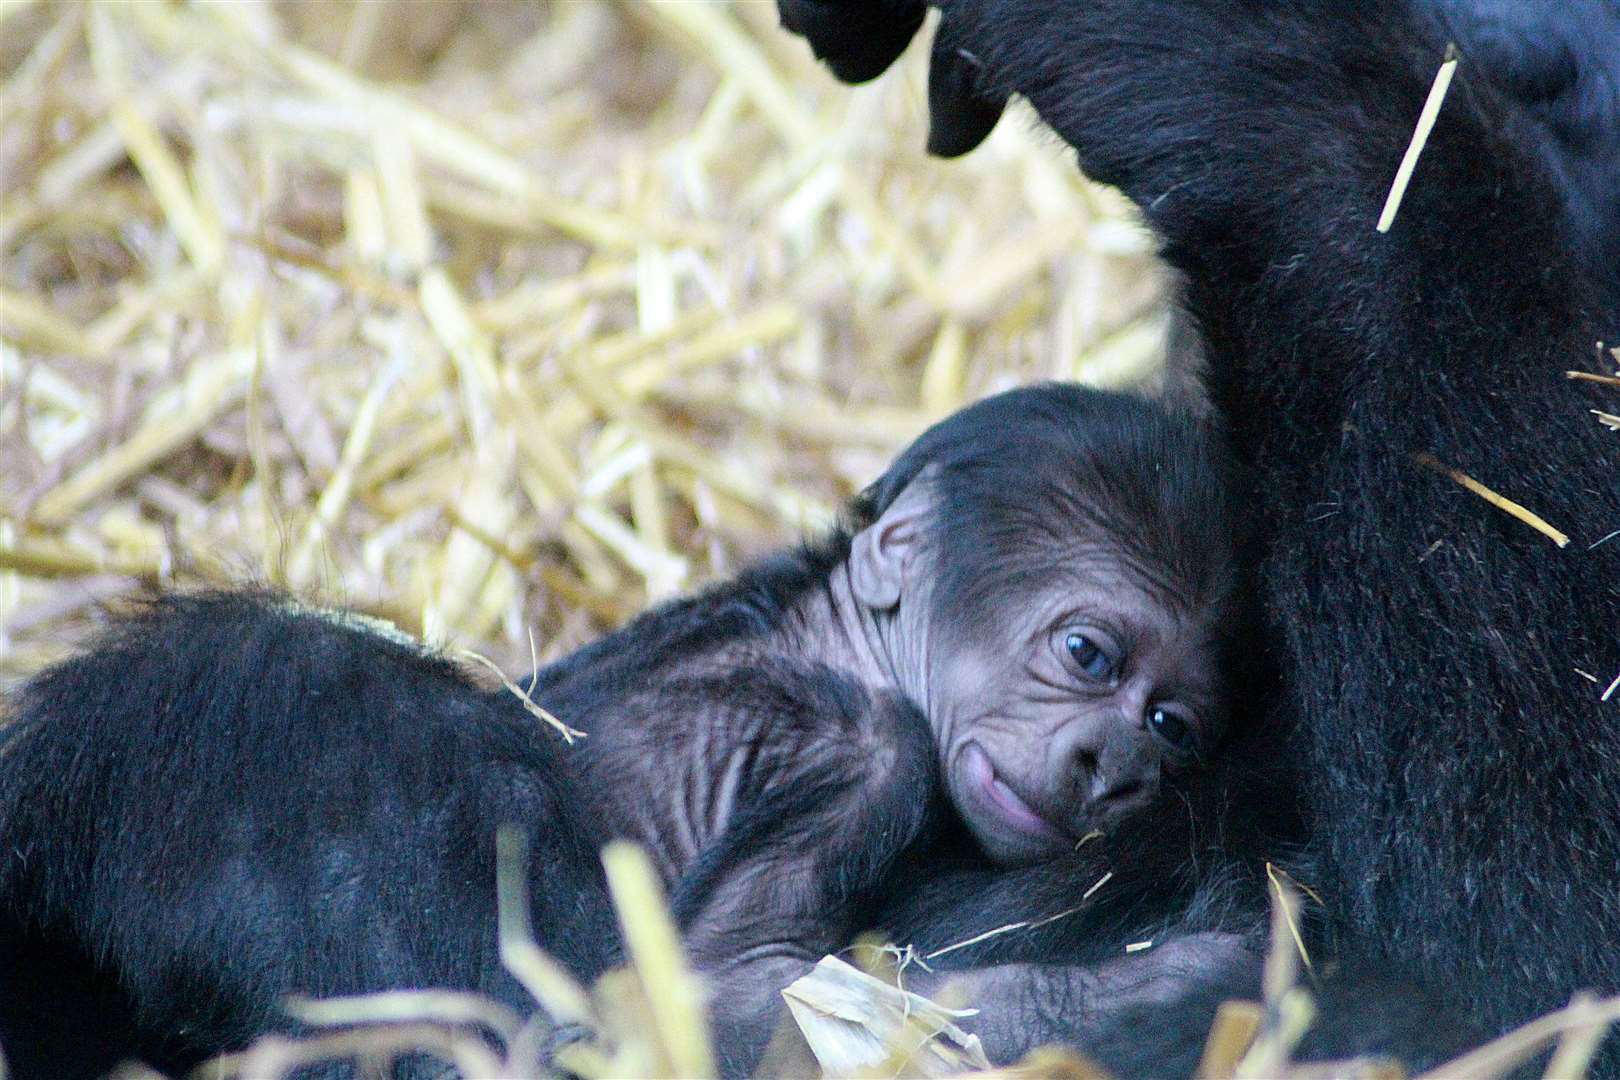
[883,557]
[962,111]
[858,39]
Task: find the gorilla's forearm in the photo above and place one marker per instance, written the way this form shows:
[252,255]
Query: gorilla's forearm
[1074,970]
[1260,141]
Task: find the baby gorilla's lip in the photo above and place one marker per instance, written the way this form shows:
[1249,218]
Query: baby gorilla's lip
[1002,800]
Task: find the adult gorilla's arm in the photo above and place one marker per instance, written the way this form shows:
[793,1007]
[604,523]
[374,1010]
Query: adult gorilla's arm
[1562,61]
[1462,772]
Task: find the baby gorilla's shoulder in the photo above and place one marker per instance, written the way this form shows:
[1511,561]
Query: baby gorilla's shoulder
[780,708]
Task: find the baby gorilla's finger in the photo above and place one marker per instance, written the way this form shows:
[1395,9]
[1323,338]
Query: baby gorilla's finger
[858,39]
[961,114]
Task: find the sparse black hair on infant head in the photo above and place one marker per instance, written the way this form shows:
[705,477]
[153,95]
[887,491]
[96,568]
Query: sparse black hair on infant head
[1062,461]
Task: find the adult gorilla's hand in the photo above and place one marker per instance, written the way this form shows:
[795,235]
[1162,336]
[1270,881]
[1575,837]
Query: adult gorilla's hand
[859,39]
[962,107]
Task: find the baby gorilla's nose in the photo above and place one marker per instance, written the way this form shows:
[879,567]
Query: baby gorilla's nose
[1119,790]
[1115,778]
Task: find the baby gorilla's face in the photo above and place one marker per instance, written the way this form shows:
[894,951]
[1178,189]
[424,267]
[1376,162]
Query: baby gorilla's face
[1059,718]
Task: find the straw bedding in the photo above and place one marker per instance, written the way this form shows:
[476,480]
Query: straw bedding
[491,319]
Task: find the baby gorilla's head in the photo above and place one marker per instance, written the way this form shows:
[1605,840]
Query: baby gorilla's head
[1056,565]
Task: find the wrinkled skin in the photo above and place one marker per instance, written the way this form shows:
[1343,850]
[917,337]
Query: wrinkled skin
[1058,718]
[1064,722]
[1057,691]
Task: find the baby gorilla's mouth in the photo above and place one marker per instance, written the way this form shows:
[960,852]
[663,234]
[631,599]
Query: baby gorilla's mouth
[1001,801]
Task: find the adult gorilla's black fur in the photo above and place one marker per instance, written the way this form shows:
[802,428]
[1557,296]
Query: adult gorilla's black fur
[1460,768]
[1557,61]
[1560,60]
[229,798]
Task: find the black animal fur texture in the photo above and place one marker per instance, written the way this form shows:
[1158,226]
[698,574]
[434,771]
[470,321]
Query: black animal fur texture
[1559,60]
[229,798]
[1459,771]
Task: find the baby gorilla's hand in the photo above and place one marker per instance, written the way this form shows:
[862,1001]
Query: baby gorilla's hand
[823,809]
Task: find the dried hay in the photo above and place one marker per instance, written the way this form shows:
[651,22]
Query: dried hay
[491,318]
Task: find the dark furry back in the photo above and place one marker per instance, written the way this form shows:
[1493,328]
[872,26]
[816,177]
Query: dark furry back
[230,798]
[1560,60]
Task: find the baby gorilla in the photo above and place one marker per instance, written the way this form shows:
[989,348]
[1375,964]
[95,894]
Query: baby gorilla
[1013,643]
[1032,600]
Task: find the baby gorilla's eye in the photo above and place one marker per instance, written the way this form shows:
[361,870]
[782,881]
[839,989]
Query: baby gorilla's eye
[1173,729]
[1092,657]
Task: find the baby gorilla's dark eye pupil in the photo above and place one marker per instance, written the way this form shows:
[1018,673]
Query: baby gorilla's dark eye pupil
[1171,728]
[1089,655]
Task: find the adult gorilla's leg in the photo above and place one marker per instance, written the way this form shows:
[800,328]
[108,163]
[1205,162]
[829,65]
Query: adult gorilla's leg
[1460,769]
[229,799]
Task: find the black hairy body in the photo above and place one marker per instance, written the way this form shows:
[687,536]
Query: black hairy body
[1558,61]
[229,798]
[1458,769]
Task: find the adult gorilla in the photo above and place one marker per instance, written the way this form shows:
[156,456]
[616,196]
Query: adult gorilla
[1445,663]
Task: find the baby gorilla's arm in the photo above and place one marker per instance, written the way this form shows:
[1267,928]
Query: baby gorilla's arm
[831,785]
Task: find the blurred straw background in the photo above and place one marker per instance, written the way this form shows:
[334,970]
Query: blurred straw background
[492,318]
